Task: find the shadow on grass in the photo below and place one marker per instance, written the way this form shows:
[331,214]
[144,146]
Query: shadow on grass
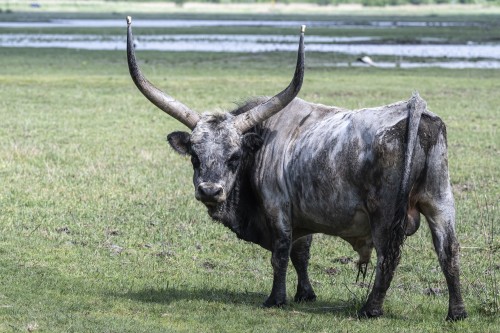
[253,299]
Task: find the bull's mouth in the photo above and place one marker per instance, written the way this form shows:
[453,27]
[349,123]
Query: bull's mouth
[211,204]
[214,209]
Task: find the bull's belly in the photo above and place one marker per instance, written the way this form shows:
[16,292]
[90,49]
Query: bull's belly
[347,225]
[354,228]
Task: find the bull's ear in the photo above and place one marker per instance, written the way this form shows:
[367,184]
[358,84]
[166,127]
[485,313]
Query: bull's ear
[252,142]
[180,142]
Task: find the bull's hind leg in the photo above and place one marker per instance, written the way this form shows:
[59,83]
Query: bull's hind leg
[300,260]
[440,215]
[387,260]
[437,204]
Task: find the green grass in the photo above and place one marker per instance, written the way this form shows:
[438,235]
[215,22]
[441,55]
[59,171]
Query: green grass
[100,231]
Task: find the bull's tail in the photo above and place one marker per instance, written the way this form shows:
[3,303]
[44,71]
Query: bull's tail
[416,106]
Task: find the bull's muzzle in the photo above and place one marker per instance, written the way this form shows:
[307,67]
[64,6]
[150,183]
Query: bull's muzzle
[210,194]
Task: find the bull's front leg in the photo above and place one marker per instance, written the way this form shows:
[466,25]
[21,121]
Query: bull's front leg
[281,246]
[300,255]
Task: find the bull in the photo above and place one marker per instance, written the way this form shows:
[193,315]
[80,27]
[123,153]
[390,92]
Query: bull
[277,170]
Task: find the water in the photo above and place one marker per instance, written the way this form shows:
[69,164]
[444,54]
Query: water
[201,43]
[116,23]
[467,54]
[252,43]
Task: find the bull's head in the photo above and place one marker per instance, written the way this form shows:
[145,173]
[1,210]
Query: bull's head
[219,144]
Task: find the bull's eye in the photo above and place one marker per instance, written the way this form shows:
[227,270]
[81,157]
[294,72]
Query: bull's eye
[195,160]
[234,161]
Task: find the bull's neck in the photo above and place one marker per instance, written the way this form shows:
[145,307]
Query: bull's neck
[242,212]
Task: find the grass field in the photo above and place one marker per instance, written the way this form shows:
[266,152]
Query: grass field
[100,231]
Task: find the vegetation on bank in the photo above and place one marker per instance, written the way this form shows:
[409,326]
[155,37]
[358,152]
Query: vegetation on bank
[362,2]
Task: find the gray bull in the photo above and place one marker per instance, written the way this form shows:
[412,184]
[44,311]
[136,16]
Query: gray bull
[277,170]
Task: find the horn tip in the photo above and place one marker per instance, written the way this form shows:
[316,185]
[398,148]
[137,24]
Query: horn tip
[129,20]
[302,29]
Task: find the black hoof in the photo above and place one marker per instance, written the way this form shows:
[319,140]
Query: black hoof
[304,298]
[369,313]
[274,303]
[456,316]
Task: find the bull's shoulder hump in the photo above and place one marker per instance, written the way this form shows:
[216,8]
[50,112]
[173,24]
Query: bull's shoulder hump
[307,111]
[300,115]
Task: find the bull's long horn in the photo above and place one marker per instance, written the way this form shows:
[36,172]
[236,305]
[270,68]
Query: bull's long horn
[163,101]
[265,110]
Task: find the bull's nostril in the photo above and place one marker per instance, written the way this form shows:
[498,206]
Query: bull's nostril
[210,191]
[217,191]
[201,190]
